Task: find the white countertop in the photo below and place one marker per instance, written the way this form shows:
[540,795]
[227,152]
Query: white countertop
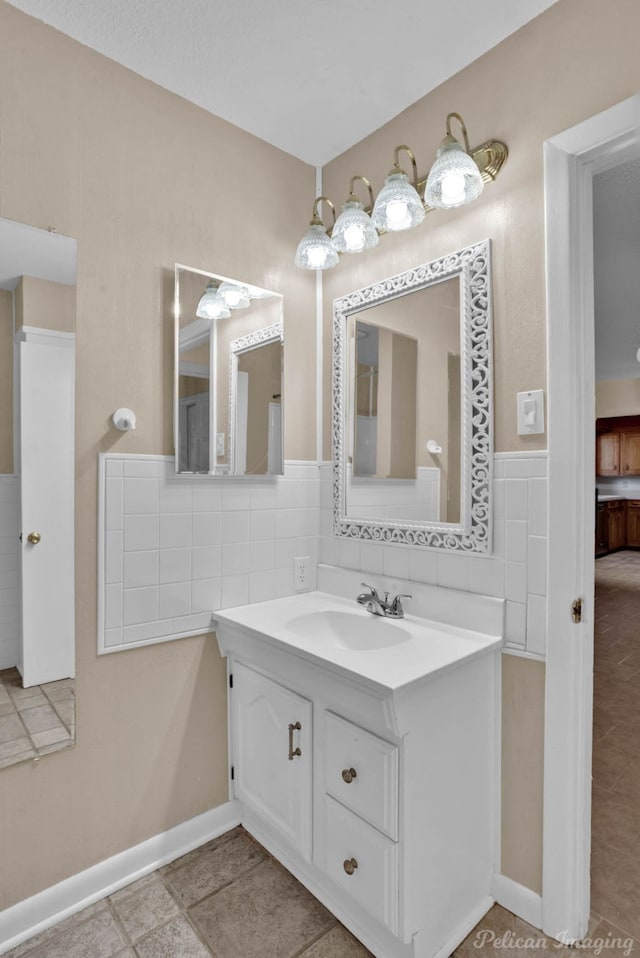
[327,629]
[617,497]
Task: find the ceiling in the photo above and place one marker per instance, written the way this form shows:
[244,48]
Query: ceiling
[311,77]
[616,248]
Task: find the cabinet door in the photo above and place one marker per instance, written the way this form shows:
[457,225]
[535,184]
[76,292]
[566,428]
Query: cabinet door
[608,454]
[275,785]
[602,529]
[633,523]
[630,454]
[617,525]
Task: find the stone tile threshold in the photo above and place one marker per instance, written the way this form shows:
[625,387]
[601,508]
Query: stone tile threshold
[34,721]
[231,899]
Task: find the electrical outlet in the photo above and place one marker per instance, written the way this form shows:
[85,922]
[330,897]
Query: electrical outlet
[220,444]
[301,573]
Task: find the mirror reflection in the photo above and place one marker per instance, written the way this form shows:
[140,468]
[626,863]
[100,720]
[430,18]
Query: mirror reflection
[412,406]
[406,395]
[228,376]
[37,468]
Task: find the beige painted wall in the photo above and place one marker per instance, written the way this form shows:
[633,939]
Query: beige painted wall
[617,397]
[142,179]
[574,61]
[522,757]
[39,302]
[6,382]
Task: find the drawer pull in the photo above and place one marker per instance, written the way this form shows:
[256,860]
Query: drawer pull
[348,775]
[350,865]
[293,751]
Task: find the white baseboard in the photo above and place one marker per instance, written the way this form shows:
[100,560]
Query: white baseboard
[523,902]
[48,907]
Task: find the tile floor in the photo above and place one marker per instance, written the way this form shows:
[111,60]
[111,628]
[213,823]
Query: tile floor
[34,721]
[230,899]
[615,852]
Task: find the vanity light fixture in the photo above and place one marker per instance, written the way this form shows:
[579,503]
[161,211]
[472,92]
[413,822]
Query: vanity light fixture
[211,305]
[315,250]
[353,231]
[457,177]
[233,295]
[454,179]
[398,206]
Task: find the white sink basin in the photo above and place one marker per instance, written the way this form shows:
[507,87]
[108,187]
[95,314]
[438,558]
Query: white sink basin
[342,635]
[350,630]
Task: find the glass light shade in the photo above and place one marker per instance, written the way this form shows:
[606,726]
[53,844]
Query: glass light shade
[211,306]
[316,251]
[398,206]
[454,179]
[234,296]
[354,231]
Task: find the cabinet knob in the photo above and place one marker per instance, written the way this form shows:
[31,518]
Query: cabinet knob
[34,538]
[348,775]
[350,865]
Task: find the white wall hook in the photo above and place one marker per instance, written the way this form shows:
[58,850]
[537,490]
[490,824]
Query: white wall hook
[124,419]
[433,447]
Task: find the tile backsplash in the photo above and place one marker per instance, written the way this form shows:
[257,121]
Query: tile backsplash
[172,550]
[516,571]
[9,571]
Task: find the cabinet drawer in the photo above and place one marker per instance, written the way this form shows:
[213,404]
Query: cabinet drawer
[373,791]
[371,858]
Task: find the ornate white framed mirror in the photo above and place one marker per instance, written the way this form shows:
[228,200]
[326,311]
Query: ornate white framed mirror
[412,406]
[228,382]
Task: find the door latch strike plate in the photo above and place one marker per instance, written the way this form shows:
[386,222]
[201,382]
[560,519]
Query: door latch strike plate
[576,610]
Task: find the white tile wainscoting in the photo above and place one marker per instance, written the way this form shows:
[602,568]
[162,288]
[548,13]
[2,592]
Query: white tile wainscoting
[517,570]
[172,550]
[9,571]
[400,499]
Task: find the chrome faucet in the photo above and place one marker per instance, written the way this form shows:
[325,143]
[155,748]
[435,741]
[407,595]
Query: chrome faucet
[377,606]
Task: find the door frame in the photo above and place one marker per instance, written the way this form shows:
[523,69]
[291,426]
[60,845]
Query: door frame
[570,161]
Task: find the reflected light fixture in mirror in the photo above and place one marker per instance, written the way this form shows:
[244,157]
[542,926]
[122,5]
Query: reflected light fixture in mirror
[234,295]
[457,177]
[211,304]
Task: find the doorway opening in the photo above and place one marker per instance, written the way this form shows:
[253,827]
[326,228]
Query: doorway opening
[572,161]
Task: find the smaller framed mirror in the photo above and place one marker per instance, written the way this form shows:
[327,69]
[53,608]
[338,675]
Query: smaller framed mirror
[412,406]
[228,382]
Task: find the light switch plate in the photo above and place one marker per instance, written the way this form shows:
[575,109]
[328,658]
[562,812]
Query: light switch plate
[531,412]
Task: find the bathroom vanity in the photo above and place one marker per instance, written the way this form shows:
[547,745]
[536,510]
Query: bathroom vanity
[364,753]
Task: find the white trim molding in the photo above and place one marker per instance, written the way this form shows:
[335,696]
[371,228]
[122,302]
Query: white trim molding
[48,907]
[513,896]
[570,161]
[47,337]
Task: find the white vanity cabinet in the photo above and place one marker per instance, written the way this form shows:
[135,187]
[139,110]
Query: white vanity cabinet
[272,737]
[389,813]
